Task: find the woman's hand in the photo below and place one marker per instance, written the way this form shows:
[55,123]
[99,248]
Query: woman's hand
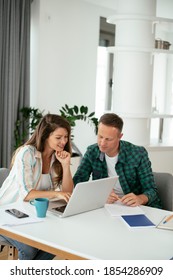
[63,195]
[63,157]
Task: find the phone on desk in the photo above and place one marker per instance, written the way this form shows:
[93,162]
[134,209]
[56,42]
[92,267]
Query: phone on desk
[16,213]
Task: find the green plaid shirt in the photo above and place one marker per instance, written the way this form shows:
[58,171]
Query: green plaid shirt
[133,168]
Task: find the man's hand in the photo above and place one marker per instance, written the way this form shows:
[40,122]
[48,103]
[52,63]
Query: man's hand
[112,197]
[132,199]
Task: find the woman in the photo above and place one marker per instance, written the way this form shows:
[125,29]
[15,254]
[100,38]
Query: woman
[40,168]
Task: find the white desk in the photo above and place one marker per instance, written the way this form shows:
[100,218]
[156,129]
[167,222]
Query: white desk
[96,235]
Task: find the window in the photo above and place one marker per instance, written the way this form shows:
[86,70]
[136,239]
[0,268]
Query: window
[104,81]
[161,130]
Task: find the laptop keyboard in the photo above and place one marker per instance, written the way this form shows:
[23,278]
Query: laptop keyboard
[60,208]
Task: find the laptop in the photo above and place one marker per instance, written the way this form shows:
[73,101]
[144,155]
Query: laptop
[86,196]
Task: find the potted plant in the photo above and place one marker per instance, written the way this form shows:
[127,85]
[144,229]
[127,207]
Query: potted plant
[26,123]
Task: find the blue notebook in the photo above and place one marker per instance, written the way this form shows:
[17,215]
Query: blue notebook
[139,220]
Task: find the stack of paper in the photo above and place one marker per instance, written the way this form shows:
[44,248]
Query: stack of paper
[166,223]
[119,209]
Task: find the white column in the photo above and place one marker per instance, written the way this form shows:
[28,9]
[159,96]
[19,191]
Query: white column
[133,69]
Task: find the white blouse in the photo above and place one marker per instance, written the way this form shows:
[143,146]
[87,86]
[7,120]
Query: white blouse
[45,183]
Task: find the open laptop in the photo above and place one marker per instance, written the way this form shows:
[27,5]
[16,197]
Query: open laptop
[86,196]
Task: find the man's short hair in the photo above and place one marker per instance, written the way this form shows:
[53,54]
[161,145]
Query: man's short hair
[111,119]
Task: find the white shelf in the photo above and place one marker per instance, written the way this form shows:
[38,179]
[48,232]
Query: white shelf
[156,146]
[138,49]
[143,116]
[129,49]
[163,20]
[162,116]
[159,51]
[114,18]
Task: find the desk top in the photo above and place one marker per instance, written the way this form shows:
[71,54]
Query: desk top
[98,235]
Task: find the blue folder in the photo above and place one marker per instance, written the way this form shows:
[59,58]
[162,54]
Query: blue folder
[139,220]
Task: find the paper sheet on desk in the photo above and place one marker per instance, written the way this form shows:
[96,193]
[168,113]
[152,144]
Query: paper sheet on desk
[119,209]
[9,220]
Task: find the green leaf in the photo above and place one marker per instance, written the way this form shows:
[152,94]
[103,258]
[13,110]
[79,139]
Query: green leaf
[70,111]
[76,109]
[82,109]
[92,114]
[63,109]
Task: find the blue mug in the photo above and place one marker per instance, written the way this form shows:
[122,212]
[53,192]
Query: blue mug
[41,206]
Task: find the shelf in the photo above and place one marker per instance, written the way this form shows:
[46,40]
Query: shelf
[129,49]
[165,23]
[156,146]
[143,116]
[163,20]
[160,51]
[138,49]
[114,18]
[162,116]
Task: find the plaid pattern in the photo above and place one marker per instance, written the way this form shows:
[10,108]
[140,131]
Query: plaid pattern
[133,168]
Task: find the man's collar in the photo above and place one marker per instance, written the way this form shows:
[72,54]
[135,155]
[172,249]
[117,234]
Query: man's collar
[121,155]
[101,156]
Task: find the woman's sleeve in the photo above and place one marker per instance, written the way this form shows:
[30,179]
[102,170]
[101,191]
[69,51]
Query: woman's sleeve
[24,168]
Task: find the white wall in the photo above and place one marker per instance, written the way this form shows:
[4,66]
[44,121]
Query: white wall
[65,36]
[161,159]
[65,40]
[165,8]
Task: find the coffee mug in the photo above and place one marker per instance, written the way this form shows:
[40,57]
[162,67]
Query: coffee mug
[41,206]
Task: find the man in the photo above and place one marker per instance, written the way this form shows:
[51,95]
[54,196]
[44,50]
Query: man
[113,156]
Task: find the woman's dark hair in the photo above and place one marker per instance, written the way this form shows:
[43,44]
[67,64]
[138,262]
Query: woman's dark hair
[111,119]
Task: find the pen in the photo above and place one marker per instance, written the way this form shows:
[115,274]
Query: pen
[168,219]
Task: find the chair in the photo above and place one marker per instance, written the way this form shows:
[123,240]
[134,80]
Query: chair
[12,252]
[164,182]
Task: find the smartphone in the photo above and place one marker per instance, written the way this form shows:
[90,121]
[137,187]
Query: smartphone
[16,213]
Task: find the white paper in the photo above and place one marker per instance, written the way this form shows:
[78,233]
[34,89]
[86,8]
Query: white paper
[119,209]
[9,220]
[166,225]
